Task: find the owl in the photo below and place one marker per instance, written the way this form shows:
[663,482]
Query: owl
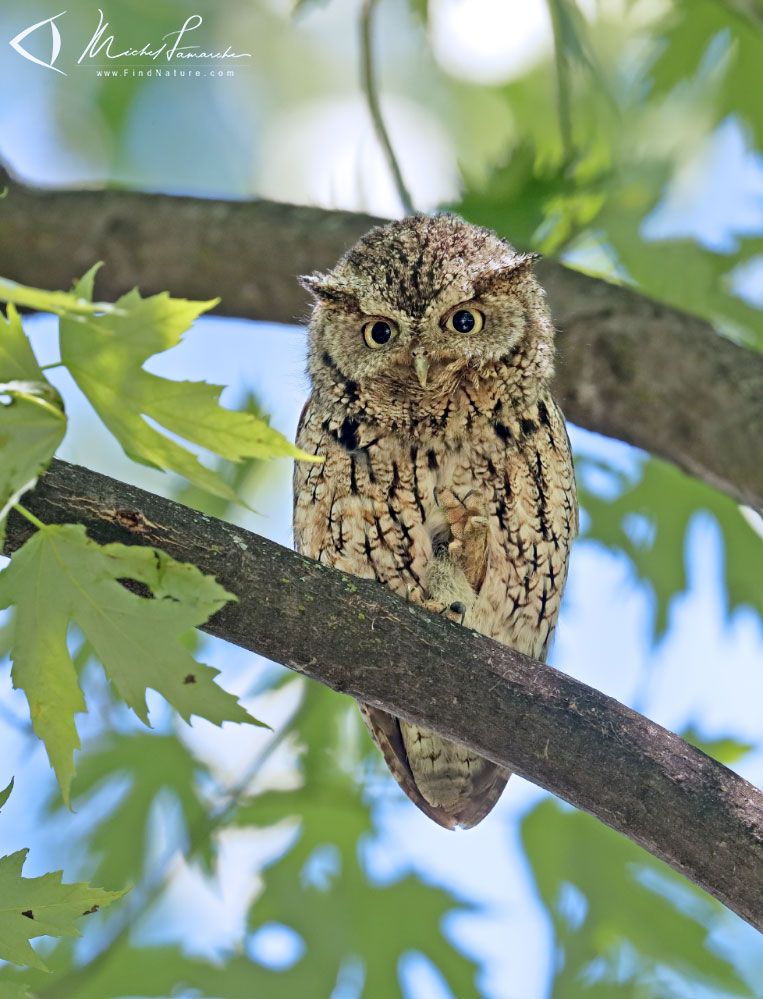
[447,472]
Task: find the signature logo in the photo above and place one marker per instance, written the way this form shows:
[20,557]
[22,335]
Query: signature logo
[55,43]
[173,46]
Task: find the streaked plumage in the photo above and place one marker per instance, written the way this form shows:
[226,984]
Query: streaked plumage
[457,491]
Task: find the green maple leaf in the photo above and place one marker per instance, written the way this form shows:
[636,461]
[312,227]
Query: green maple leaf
[150,765]
[6,793]
[727,751]
[332,915]
[32,421]
[59,302]
[60,576]
[36,907]
[659,558]
[603,893]
[105,355]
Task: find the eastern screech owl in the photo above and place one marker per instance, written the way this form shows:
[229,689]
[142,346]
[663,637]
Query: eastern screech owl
[447,472]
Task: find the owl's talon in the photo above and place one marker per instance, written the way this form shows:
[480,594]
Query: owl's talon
[459,608]
[416,597]
[476,525]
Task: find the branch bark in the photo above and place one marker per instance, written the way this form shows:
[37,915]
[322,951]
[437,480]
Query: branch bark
[627,367]
[358,638]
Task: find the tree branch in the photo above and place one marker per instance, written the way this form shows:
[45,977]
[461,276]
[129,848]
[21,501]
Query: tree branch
[357,637]
[627,367]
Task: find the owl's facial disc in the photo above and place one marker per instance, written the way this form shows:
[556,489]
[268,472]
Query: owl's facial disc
[462,320]
[428,348]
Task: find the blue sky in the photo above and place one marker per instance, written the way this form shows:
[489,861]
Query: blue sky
[603,639]
[605,626]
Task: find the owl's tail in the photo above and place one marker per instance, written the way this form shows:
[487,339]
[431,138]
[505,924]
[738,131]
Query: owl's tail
[448,782]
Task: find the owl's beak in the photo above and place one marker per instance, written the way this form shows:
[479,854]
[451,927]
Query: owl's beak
[421,367]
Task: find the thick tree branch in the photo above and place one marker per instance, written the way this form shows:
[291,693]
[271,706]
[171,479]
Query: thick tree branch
[359,638]
[627,367]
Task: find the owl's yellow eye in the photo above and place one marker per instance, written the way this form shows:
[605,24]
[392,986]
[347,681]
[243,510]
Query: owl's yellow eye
[378,332]
[465,321]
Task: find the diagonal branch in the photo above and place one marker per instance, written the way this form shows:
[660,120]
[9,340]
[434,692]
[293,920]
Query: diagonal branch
[357,637]
[627,367]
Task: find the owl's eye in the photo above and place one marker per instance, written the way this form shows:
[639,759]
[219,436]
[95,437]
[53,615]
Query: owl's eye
[378,332]
[465,321]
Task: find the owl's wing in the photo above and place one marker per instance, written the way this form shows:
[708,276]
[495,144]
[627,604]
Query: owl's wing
[385,731]
[486,782]
[337,521]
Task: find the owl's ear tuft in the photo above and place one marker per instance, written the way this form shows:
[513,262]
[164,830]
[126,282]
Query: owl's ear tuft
[314,283]
[503,272]
[321,288]
[529,258]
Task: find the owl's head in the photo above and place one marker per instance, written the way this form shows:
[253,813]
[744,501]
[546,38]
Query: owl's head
[417,307]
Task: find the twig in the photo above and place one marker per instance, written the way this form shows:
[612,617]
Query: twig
[370,90]
[564,108]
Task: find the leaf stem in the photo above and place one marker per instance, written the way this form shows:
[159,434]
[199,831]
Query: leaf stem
[29,516]
[563,104]
[372,97]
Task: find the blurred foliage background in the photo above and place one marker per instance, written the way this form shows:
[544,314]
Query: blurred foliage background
[622,136]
